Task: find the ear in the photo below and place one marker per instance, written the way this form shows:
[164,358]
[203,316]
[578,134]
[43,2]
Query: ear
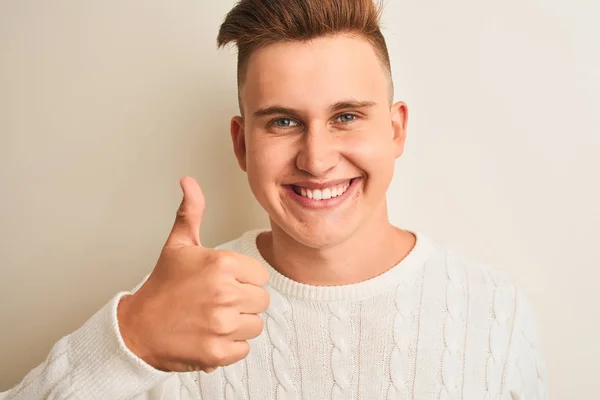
[238,138]
[399,114]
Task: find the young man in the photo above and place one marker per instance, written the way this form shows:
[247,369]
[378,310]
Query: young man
[331,302]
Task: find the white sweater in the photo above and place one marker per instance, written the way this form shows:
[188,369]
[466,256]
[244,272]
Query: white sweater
[432,327]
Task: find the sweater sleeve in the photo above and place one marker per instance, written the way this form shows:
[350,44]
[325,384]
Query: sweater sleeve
[91,363]
[526,374]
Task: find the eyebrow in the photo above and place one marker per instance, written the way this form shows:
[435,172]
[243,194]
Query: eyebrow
[340,105]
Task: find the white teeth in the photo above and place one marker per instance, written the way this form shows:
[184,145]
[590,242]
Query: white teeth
[324,194]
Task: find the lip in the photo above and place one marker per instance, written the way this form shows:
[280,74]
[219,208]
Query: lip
[305,202]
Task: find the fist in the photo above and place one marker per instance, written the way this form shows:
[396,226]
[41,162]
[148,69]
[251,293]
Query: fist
[200,306]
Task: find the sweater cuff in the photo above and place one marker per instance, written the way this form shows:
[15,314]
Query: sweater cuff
[105,368]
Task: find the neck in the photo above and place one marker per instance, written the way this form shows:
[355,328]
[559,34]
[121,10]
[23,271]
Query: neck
[373,249]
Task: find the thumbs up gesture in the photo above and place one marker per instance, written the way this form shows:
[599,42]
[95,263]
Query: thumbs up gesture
[200,306]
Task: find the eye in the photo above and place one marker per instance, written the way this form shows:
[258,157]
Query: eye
[345,118]
[285,123]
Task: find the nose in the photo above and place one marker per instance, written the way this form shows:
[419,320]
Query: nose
[318,152]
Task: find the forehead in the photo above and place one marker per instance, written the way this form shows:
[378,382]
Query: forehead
[313,75]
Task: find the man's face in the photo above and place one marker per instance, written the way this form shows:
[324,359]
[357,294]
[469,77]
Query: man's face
[318,138]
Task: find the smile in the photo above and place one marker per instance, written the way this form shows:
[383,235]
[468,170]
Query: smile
[318,196]
[323,194]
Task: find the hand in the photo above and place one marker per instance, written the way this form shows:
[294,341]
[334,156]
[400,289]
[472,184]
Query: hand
[199,306]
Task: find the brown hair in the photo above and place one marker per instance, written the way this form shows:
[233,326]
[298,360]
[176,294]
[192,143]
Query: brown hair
[252,24]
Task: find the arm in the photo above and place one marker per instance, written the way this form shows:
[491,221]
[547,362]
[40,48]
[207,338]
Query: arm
[526,375]
[90,363]
[185,317]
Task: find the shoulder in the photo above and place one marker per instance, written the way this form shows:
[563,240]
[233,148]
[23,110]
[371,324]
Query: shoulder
[489,290]
[454,262]
[496,310]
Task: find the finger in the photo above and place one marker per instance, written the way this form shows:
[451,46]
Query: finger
[253,299]
[236,351]
[251,271]
[251,326]
[186,229]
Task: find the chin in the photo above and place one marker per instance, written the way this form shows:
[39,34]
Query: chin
[319,237]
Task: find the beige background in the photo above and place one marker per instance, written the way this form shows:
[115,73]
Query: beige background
[105,104]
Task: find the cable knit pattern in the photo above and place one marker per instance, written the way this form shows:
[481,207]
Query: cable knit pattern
[342,360]
[456,300]
[502,314]
[435,323]
[530,361]
[403,333]
[233,381]
[529,366]
[279,333]
[526,371]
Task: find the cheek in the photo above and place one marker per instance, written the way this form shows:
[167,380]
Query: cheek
[267,158]
[372,152]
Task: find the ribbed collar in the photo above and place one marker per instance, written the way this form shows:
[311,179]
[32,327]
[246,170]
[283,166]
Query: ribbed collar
[404,270]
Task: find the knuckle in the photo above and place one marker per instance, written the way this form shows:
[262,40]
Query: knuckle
[181,212]
[245,350]
[212,257]
[225,294]
[260,326]
[265,300]
[254,328]
[262,274]
[184,214]
[221,325]
[218,354]
[225,259]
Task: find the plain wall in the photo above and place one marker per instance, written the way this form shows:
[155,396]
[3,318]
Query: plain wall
[104,105]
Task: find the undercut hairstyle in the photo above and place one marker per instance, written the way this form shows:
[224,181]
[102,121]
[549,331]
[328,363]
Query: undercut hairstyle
[253,24]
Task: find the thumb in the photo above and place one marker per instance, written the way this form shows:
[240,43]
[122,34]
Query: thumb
[186,229]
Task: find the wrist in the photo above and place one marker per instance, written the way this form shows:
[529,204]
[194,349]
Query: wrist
[126,319]
[124,322]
